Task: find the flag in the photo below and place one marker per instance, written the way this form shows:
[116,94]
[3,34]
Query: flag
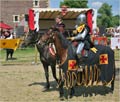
[103,59]
[9,43]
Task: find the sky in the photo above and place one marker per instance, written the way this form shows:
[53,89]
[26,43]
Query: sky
[96,4]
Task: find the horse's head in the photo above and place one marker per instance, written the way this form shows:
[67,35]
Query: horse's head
[47,37]
[54,36]
[30,38]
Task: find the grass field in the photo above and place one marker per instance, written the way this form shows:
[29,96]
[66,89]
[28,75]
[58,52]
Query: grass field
[29,55]
[21,56]
[23,81]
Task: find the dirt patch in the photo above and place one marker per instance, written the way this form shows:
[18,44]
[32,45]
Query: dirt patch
[25,83]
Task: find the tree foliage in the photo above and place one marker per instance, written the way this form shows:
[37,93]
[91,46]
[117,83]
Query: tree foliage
[105,15]
[116,20]
[106,18]
[75,3]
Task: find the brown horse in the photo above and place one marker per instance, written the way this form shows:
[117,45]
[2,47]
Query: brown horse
[46,57]
[92,68]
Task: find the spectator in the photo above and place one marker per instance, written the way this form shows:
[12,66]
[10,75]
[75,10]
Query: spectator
[96,32]
[61,26]
[117,33]
[58,21]
[1,34]
[10,52]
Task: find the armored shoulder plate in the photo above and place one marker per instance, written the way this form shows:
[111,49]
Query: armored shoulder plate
[80,28]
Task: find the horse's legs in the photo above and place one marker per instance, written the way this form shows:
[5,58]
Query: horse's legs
[112,85]
[61,90]
[46,75]
[113,82]
[54,72]
[72,91]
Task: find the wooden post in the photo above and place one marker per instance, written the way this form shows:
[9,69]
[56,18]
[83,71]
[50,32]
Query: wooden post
[36,53]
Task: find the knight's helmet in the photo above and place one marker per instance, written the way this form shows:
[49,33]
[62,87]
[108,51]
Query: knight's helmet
[81,19]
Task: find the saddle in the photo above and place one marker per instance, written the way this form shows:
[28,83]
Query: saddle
[82,60]
[84,51]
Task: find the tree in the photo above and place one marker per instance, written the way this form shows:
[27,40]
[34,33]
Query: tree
[105,16]
[116,20]
[75,3]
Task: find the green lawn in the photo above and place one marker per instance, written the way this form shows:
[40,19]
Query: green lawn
[117,54]
[20,56]
[27,55]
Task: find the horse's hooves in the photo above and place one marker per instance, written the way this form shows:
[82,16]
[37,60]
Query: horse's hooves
[46,88]
[61,98]
[112,88]
[72,93]
[71,96]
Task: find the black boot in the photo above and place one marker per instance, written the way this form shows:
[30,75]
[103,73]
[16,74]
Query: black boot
[79,60]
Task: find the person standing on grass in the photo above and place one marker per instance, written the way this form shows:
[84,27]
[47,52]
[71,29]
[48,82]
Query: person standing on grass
[10,52]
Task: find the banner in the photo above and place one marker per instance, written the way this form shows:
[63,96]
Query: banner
[31,19]
[94,19]
[89,20]
[9,43]
[36,18]
[100,40]
[115,42]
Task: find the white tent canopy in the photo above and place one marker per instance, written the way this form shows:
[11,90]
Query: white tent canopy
[50,13]
[46,16]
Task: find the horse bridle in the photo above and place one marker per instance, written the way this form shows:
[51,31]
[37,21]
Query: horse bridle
[49,40]
[43,43]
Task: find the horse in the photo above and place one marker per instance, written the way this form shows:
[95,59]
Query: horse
[46,57]
[97,69]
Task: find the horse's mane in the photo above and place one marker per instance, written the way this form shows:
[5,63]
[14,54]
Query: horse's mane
[63,40]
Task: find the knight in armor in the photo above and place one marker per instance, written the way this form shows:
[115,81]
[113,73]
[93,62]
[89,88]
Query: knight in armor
[82,36]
